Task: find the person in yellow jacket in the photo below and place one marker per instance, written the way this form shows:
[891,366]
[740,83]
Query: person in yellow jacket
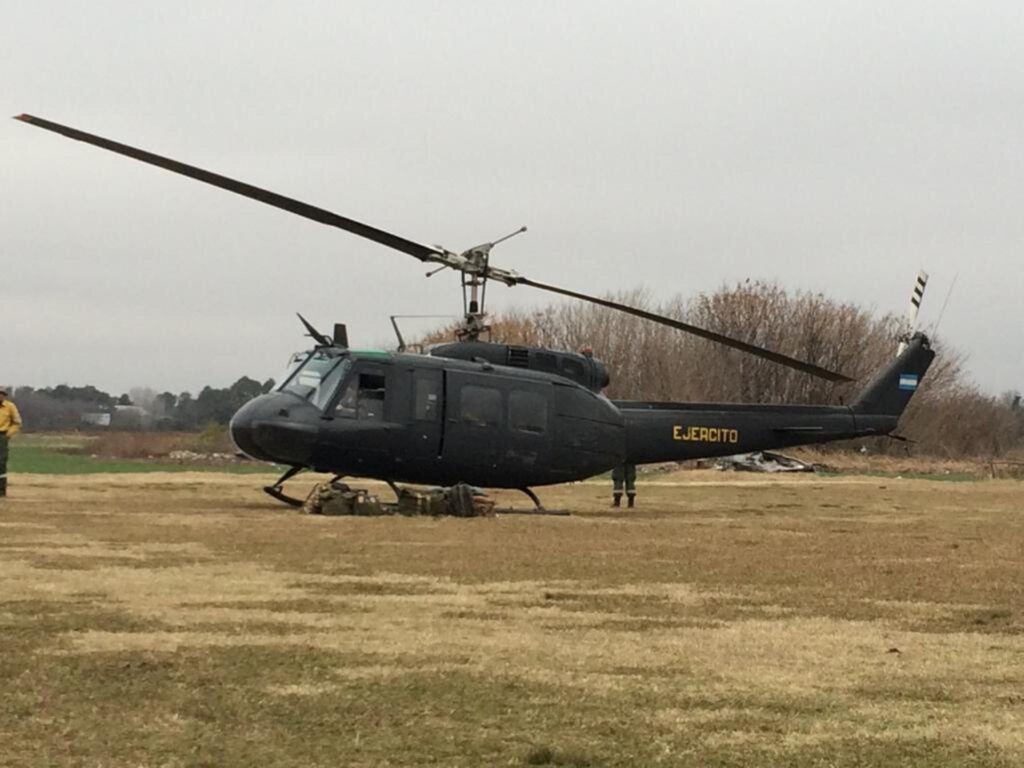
[10,423]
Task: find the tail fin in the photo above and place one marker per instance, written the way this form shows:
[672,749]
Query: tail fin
[890,391]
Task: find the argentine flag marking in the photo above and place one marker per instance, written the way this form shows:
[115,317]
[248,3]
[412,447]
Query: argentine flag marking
[908,381]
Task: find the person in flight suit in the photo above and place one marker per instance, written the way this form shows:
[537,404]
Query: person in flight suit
[10,423]
[624,477]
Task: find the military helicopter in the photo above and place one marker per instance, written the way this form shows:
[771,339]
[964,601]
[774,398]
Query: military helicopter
[498,415]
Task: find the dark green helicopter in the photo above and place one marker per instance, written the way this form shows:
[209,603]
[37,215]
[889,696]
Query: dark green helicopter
[504,416]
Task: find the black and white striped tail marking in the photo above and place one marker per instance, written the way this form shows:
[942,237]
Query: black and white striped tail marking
[918,294]
[915,305]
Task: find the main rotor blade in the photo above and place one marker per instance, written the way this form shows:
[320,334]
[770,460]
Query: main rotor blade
[718,338]
[421,252]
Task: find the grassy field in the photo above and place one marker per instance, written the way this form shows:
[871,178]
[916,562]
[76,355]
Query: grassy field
[187,620]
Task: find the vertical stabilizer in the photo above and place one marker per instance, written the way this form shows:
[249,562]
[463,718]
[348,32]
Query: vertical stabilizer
[890,391]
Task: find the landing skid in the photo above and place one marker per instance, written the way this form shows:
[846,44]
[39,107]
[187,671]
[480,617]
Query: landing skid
[538,508]
[534,498]
[277,489]
[395,489]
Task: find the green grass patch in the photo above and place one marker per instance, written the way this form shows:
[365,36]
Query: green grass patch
[40,460]
[57,441]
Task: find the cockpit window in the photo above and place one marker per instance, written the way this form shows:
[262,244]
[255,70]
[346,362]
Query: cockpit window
[317,377]
[330,383]
[363,396]
[294,363]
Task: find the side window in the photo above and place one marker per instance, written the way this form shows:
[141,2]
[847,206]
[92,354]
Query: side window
[527,412]
[363,397]
[427,393]
[480,406]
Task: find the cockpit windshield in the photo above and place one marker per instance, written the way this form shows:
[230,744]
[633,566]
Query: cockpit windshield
[296,360]
[318,376]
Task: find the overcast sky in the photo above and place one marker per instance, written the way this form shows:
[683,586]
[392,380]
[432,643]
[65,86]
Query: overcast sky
[832,146]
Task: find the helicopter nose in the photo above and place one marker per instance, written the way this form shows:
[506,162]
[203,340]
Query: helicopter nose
[276,427]
[243,431]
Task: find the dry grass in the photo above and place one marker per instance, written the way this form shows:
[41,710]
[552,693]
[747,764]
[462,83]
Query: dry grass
[143,445]
[912,464]
[730,620]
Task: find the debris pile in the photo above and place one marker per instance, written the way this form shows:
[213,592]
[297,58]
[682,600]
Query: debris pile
[192,457]
[763,461]
[659,468]
[337,498]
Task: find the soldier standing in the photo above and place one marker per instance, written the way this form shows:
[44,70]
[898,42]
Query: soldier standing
[10,423]
[624,476]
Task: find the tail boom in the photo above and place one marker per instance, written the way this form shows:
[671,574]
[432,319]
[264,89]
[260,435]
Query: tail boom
[658,432]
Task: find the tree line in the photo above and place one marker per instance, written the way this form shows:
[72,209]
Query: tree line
[67,407]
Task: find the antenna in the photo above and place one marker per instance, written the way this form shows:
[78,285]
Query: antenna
[946,302]
[402,346]
[340,335]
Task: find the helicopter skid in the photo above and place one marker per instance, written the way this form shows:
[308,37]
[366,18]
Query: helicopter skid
[278,493]
[535,511]
[277,489]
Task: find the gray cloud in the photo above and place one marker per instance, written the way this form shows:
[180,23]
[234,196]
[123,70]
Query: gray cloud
[835,147]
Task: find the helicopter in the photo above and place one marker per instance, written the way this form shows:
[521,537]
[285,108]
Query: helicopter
[498,415]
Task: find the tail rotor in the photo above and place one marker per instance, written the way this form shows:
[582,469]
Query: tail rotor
[913,310]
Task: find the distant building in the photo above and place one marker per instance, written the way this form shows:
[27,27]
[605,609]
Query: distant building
[129,417]
[96,419]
